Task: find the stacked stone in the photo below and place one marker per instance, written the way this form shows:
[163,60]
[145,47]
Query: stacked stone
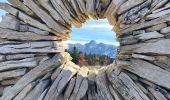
[35,66]
[26,43]
[144,52]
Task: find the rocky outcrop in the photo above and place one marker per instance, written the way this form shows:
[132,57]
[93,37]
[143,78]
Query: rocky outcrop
[35,66]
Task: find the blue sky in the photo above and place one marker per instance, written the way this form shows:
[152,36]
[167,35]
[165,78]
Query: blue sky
[98,30]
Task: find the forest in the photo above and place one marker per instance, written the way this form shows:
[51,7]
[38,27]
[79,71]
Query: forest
[83,59]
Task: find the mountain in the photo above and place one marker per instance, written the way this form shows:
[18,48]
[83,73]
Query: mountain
[95,48]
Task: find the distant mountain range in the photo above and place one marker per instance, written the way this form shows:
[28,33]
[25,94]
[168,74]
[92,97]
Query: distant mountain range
[95,48]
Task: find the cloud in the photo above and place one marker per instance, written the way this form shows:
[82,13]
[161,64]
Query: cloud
[98,26]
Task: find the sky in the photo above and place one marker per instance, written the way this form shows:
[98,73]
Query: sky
[2,12]
[98,30]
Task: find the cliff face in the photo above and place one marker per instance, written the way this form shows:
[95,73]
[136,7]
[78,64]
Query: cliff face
[35,66]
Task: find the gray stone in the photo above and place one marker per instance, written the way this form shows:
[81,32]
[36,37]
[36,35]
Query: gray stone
[15,35]
[9,81]
[10,22]
[61,81]
[159,47]
[24,63]
[37,91]
[128,5]
[45,17]
[158,95]
[25,91]
[33,74]
[149,35]
[150,72]
[126,87]
[21,6]
[139,56]
[12,74]
[156,27]
[146,24]
[19,56]
[33,47]
[69,88]
[165,30]
[159,14]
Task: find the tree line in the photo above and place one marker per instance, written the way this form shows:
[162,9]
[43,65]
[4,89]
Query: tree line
[83,59]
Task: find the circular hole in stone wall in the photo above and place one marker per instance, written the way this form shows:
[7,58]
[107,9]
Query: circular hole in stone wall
[94,44]
[141,68]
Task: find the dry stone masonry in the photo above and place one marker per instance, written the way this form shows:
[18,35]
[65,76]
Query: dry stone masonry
[35,66]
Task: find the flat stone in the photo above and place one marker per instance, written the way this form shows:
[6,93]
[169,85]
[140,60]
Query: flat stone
[19,56]
[32,75]
[43,94]
[135,14]
[163,62]
[140,85]
[102,85]
[9,81]
[12,74]
[8,8]
[2,58]
[165,30]
[158,95]
[90,8]
[128,5]
[26,28]
[150,72]
[21,6]
[159,14]
[45,17]
[130,85]
[61,81]
[33,22]
[115,93]
[24,63]
[10,22]
[15,35]
[33,47]
[156,27]
[37,91]
[149,35]
[66,12]
[1,90]
[23,16]
[158,4]
[126,87]
[159,47]
[141,25]
[80,85]
[69,89]
[57,72]
[53,13]
[139,56]
[163,8]
[25,91]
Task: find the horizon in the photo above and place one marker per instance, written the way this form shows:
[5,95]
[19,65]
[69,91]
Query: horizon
[91,41]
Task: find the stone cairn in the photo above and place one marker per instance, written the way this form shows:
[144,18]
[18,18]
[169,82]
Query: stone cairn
[35,66]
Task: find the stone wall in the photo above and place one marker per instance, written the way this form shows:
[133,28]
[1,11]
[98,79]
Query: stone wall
[35,66]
